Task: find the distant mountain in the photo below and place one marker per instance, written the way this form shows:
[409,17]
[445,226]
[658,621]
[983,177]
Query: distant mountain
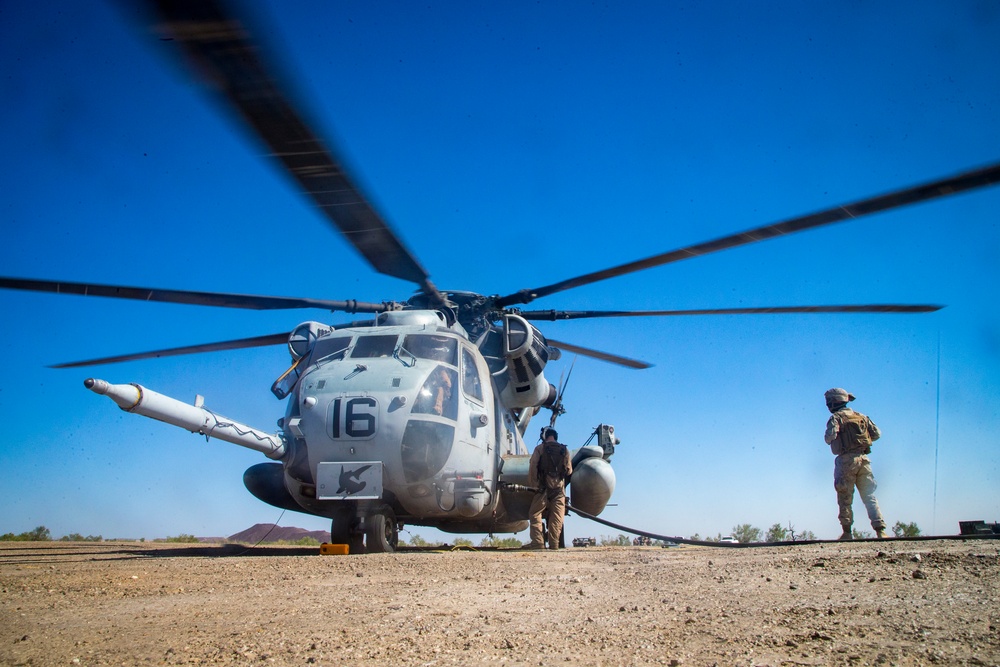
[269,532]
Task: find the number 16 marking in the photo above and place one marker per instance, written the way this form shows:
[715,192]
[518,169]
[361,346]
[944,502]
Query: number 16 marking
[357,415]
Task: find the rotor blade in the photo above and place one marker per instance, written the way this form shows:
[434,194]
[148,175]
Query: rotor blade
[586,314]
[603,356]
[967,181]
[258,341]
[248,301]
[557,407]
[224,53]
[563,385]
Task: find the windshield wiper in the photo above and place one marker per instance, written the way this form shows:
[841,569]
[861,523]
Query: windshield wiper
[395,355]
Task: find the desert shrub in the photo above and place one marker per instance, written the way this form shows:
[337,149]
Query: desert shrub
[77,537]
[776,533]
[901,529]
[746,533]
[39,534]
[501,542]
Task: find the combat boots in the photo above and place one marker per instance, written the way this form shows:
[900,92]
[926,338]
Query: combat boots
[880,532]
[846,535]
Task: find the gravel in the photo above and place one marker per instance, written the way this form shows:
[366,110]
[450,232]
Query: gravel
[864,603]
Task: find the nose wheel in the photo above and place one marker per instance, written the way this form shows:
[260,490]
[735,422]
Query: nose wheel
[379,529]
[345,529]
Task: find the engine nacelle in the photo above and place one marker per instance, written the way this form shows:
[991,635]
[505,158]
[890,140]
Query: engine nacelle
[593,479]
[527,353]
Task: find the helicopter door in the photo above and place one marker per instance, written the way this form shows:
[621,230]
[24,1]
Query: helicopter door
[475,457]
[476,396]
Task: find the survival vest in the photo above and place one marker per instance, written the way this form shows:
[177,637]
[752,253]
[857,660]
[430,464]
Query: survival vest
[552,468]
[853,437]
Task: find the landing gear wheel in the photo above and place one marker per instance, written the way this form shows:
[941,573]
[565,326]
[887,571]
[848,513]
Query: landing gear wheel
[381,532]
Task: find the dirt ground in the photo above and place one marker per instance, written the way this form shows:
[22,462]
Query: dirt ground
[863,603]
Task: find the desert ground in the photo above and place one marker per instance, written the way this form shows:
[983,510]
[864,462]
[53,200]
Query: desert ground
[933,602]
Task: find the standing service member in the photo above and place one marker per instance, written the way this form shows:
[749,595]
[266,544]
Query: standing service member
[548,471]
[850,435]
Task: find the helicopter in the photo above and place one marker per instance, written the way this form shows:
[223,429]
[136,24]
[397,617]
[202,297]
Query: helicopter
[417,415]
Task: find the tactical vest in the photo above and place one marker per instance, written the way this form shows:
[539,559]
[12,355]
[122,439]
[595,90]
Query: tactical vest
[853,437]
[552,468]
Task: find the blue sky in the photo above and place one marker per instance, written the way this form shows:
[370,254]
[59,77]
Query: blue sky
[512,146]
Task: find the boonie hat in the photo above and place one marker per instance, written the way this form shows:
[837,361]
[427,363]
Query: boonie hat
[838,395]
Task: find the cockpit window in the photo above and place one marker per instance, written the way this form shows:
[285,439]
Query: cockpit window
[435,348]
[437,396]
[471,384]
[426,447]
[330,349]
[325,349]
[370,347]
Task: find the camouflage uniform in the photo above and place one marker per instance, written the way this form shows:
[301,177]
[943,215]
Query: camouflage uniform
[551,497]
[850,435]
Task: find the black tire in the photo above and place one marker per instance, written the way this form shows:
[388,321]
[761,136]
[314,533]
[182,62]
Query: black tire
[343,531]
[381,532]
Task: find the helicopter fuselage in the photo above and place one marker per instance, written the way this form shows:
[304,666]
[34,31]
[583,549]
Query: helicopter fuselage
[414,406]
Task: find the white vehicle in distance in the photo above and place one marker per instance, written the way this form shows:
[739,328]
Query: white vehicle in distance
[729,539]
